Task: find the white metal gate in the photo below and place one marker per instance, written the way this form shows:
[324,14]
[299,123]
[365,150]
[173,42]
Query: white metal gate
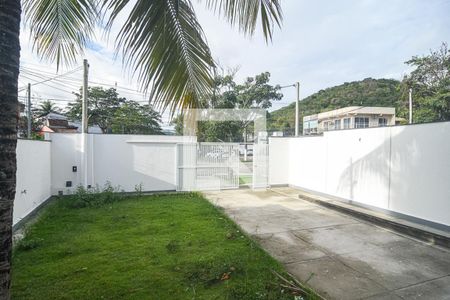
[207,166]
[260,165]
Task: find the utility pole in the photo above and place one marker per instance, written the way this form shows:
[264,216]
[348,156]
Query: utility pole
[410,107]
[84,106]
[297,121]
[84,126]
[29,111]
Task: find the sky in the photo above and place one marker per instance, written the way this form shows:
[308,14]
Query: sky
[321,44]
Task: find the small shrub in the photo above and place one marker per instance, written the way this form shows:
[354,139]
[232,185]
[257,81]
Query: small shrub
[81,198]
[95,197]
[138,189]
[109,194]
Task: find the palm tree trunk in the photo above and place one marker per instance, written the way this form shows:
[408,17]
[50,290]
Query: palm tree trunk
[10,11]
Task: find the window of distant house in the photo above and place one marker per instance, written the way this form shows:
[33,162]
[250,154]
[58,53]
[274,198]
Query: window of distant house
[361,122]
[337,124]
[382,122]
[325,126]
[347,123]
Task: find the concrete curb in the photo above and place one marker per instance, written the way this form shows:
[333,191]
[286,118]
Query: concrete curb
[31,215]
[418,231]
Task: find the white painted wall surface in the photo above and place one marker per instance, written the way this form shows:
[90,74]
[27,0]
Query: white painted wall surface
[405,169]
[128,161]
[123,160]
[66,152]
[420,173]
[307,162]
[33,176]
[278,161]
[357,165]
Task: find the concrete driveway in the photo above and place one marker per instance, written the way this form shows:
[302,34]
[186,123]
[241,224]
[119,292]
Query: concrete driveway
[339,256]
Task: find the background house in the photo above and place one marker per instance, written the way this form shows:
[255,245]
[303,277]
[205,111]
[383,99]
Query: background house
[58,123]
[54,122]
[347,118]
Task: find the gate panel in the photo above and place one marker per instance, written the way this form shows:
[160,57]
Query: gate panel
[260,165]
[208,166]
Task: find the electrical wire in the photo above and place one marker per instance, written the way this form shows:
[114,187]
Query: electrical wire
[61,86]
[49,85]
[52,78]
[70,80]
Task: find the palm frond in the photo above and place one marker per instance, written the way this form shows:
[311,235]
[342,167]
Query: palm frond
[164,45]
[60,29]
[245,14]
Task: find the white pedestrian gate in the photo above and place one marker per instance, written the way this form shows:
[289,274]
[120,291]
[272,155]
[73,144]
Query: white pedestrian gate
[260,166]
[207,166]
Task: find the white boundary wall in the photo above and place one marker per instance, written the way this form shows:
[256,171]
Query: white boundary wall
[123,160]
[33,177]
[405,169]
[43,167]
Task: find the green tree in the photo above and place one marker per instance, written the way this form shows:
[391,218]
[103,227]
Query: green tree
[38,114]
[133,118]
[36,125]
[367,92]
[255,92]
[430,82]
[115,114]
[102,105]
[161,41]
[429,79]
[44,108]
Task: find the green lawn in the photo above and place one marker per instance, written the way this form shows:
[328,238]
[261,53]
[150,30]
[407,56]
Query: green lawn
[173,246]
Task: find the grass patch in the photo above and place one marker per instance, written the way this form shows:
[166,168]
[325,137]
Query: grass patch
[172,246]
[245,179]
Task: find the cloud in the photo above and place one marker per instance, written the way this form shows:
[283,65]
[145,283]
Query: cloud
[322,43]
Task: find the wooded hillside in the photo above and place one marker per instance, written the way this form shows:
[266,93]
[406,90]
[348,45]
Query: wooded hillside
[368,92]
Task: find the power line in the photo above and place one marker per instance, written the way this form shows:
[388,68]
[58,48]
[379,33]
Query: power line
[71,79]
[74,88]
[46,75]
[40,71]
[49,85]
[52,78]
[43,98]
[69,88]
[68,84]
[40,99]
[42,75]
